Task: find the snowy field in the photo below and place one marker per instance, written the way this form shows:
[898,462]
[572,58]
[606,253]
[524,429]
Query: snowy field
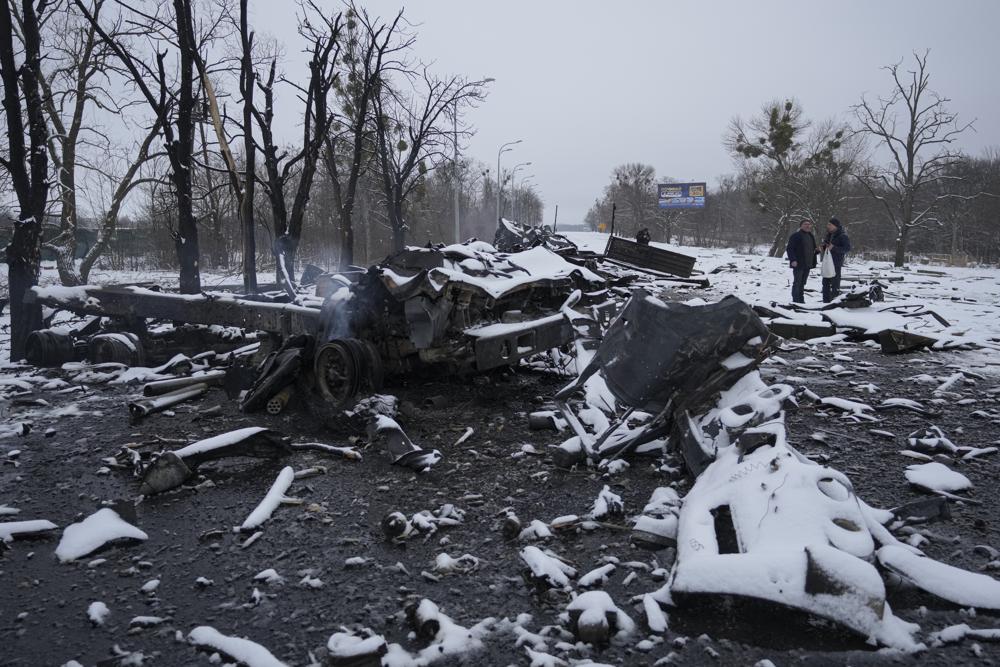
[968,298]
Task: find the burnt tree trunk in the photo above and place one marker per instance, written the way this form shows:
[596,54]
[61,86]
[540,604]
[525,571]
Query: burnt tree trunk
[28,167]
[181,153]
[247,224]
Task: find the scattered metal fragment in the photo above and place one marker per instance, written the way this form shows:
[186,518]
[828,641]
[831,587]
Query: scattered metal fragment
[961,587]
[170,469]
[393,440]
[349,453]
[143,407]
[160,387]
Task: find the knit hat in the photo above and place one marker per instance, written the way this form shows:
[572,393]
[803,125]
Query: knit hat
[836,223]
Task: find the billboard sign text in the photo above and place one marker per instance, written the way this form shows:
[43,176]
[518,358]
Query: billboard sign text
[681,195]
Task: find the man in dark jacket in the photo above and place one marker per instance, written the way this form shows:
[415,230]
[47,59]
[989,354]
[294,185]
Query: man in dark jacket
[801,251]
[838,245]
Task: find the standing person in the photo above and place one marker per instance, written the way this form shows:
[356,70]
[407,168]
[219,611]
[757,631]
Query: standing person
[801,251]
[838,244]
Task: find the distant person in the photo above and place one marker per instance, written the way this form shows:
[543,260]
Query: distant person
[801,251]
[643,237]
[838,244]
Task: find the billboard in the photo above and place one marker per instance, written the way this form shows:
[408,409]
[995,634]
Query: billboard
[681,195]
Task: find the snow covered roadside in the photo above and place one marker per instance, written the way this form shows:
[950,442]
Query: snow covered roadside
[968,298]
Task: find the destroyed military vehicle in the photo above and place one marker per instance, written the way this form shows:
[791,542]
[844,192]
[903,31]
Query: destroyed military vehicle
[456,309]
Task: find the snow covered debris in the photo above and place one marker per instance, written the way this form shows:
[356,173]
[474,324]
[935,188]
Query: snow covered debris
[655,618]
[597,576]
[448,640]
[98,529]
[347,646]
[770,524]
[547,568]
[964,588]
[607,503]
[269,576]
[242,650]
[931,440]
[391,437]
[11,529]
[145,621]
[271,501]
[956,633]
[937,477]
[445,564]
[594,618]
[535,530]
[98,612]
[853,408]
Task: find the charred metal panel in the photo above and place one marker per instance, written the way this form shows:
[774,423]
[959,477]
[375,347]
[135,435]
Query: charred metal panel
[512,343]
[630,253]
[655,350]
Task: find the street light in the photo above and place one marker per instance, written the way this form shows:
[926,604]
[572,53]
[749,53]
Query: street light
[517,196]
[513,173]
[503,149]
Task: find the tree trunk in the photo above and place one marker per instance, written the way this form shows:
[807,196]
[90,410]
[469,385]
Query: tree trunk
[778,244]
[247,224]
[901,240]
[64,248]
[398,227]
[186,238]
[28,168]
[23,262]
[346,240]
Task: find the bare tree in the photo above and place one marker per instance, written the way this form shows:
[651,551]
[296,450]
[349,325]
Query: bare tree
[27,165]
[174,104]
[248,226]
[793,175]
[80,78]
[914,125]
[123,184]
[411,138]
[280,168]
[373,50]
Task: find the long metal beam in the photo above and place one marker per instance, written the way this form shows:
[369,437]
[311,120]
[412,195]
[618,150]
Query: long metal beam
[127,301]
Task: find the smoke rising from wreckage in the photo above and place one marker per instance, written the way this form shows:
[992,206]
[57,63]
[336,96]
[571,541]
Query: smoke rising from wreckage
[643,377]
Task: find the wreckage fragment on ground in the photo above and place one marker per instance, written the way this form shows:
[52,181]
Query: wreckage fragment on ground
[762,521]
[663,360]
[858,315]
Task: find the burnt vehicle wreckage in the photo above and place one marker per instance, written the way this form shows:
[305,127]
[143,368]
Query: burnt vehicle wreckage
[761,522]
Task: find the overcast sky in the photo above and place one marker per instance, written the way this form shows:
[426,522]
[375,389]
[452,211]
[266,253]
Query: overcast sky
[588,85]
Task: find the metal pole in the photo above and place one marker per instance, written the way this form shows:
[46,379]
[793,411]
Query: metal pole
[513,174]
[456,180]
[503,149]
[555,221]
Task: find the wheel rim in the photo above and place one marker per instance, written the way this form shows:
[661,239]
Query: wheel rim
[337,372]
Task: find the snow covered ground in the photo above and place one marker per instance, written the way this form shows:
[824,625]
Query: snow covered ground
[325,574]
[968,298]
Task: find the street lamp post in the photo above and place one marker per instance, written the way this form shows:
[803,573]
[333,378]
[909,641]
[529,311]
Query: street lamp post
[456,181]
[522,190]
[503,149]
[513,173]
